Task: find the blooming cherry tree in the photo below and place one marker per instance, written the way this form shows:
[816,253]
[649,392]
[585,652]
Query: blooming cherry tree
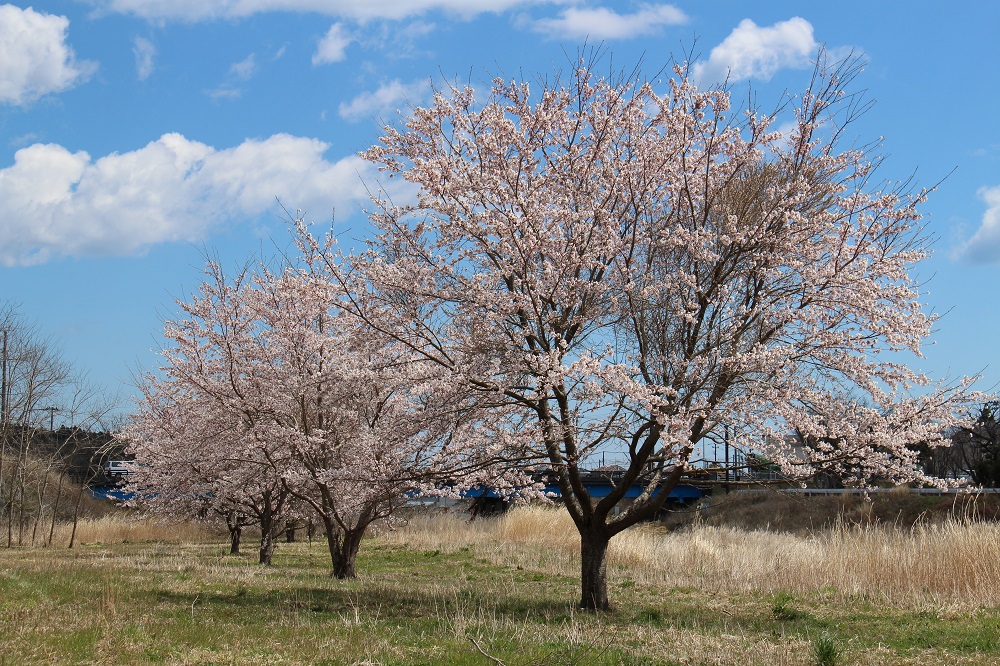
[635,266]
[196,435]
[269,393]
[367,423]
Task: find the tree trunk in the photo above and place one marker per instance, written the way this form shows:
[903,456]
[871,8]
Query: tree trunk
[55,509]
[594,570]
[10,504]
[344,549]
[76,515]
[22,480]
[38,513]
[268,528]
[20,509]
[290,532]
[3,434]
[235,526]
[345,557]
[235,536]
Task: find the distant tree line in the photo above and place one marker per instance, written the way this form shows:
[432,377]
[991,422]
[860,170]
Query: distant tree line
[974,453]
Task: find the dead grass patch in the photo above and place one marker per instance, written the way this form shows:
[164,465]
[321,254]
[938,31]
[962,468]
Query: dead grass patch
[124,528]
[953,564]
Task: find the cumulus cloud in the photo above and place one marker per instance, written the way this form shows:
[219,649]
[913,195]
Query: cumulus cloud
[34,57]
[754,52]
[604,23]
[198,10]
[55,202]
[144,52]
[984,246]
[386,99]
[333,46]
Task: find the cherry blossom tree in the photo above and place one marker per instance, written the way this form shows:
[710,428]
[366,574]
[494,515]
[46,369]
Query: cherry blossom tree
[195,436]
[187,466]
[268,388]
[636,265]
[367,424]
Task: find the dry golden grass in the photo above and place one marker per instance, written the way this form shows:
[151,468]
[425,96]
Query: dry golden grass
[122,528]
[952,565]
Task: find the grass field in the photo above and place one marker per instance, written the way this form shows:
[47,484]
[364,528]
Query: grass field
[446,591]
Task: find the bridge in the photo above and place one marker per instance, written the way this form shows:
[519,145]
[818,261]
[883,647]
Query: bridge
[598,484]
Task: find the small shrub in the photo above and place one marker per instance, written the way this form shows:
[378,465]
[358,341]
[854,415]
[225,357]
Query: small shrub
[781,608]
[825,652]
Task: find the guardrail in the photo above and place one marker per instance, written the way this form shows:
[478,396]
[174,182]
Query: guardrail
[862,491]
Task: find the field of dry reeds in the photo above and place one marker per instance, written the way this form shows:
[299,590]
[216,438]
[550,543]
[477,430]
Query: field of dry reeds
[124,528]
[955,563]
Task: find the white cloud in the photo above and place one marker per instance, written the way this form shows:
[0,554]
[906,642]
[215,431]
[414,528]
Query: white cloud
[604,23]
[224,91]
[984,246]
[386,99]
[244,69]
[413,31]
[54,202]
[751,51]
[144,52]
[332,47]
[241,71]
[362,10]
[23,140]
[34,57]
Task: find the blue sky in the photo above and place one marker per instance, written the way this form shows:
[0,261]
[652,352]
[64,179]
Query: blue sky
[137,134]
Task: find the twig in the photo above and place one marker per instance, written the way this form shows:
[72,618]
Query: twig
[485,653]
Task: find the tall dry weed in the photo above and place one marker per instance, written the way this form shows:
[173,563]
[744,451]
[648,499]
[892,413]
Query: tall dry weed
[953,564]
[117,528]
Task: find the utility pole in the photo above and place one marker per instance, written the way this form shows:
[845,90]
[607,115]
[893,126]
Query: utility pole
[3,422]
[51,411]
[3,385]
[726,441]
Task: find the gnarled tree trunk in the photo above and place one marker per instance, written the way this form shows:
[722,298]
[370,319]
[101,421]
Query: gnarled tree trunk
[344,546]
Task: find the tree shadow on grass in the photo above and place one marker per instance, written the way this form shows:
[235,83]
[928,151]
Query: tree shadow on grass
[382,601]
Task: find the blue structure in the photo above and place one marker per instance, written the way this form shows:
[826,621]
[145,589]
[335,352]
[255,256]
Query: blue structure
[113,493]
[599,487]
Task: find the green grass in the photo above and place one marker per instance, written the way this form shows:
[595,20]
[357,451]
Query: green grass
[194,604]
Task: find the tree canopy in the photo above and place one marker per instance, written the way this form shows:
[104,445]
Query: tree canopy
[633,265]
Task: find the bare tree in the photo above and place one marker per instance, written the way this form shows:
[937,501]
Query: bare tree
[975,449]
[36,382]
[33,375]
